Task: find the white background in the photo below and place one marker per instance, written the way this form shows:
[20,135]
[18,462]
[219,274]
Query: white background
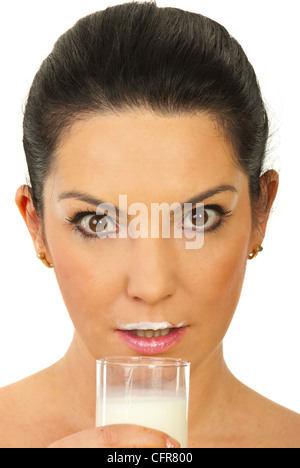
[262,345]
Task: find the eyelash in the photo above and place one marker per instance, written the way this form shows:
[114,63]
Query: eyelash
[79,215]
[76,218]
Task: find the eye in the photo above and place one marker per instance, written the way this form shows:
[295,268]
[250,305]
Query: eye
[92,225]
[101,225]
[207,218]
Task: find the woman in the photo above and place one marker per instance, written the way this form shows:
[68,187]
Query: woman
[161,106]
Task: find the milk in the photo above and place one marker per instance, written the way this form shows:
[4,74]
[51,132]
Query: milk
[165,413]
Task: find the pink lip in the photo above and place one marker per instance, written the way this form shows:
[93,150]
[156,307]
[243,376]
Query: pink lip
[152,345]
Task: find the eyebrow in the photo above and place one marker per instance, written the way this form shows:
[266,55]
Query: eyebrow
[85,197]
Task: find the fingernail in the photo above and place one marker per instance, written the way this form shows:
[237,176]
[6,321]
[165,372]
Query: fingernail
[172,443]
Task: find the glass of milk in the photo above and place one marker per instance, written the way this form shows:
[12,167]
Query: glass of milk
[148,391]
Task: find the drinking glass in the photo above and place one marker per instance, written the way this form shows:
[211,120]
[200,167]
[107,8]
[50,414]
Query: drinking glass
[148,391]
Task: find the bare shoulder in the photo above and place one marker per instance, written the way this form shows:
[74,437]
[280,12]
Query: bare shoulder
[289,421]
[29,416]
[13,406]
[20,406]
[284,426]
[269,425]
[246,419]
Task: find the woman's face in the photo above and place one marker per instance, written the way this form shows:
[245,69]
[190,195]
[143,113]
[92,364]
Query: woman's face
[114,283]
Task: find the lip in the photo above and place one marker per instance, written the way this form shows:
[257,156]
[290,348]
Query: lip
[154,345]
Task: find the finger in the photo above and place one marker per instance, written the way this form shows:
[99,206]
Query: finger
[117,436]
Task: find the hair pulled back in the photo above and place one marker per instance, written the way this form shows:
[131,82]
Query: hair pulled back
[139,55]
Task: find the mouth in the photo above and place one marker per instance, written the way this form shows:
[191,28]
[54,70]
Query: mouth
[151,333]
[151,338]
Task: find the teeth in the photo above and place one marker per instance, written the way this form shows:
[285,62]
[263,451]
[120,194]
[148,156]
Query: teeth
[151,333]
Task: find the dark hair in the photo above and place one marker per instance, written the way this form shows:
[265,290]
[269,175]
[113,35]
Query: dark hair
[139,55]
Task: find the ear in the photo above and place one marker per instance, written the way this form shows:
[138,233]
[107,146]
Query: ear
[26,207]
[269,182]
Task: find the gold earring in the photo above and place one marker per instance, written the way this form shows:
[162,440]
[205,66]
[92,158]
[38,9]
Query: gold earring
[256,250]
[42,257]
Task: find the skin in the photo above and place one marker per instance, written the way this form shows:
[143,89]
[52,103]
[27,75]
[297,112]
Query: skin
[107,281]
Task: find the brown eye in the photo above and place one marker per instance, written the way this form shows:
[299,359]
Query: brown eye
[203,219]
[199,219]
[98,224]
[97,221]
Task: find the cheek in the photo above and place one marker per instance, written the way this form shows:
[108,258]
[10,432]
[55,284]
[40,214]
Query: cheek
[88,278]
[219,293]
[216,287]
[225,261]
[225,281]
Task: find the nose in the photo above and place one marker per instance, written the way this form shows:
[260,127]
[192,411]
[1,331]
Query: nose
[151,277]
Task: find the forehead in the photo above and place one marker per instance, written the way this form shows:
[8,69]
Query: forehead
[136,150]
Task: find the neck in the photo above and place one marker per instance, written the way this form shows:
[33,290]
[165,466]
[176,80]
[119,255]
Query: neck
[76,376]
[209,387]
[211,396]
